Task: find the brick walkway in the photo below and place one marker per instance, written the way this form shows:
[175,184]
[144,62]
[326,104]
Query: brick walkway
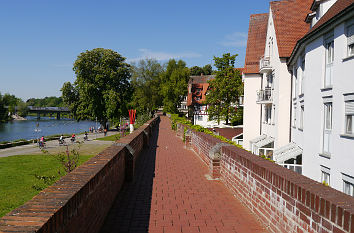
[171,194]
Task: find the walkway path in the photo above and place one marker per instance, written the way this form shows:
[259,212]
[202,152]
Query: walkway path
[53,146]
[171,194]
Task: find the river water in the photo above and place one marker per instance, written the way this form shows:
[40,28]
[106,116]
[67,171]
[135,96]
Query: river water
[28,129]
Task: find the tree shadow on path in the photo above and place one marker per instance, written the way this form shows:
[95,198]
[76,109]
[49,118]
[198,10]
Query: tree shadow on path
[130,211]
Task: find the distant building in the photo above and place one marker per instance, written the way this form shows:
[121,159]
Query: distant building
[197,109]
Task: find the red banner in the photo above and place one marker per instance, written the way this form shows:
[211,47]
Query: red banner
[132,114]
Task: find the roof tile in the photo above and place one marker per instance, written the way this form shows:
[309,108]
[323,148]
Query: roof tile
[257,33]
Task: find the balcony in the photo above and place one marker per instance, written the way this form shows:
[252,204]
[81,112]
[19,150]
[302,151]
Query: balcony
[264,96]
[264,65]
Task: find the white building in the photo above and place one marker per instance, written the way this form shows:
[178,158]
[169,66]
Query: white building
[257,32]
[322,67]
[273,90]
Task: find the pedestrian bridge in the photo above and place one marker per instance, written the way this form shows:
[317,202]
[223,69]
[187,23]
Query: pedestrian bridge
[50,110]
[160,180]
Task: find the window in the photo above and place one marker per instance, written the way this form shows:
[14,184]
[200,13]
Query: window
[328,116]
[350,38]
[325,178]
[348,184]
[327,128]
[267,114]
[295,81]
[302,74]
[270,80]
[349,117]
[302,108]
[325,175]
[348,188]
[294,116]
[329,45]
[200,118]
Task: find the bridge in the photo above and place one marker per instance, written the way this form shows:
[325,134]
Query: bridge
[160,180]
[50,110]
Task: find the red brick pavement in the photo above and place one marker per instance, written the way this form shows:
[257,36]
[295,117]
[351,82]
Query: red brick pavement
[171,194]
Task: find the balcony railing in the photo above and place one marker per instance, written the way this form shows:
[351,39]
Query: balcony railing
[264,96]
[264,65]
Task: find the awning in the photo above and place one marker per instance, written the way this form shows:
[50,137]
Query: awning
[259,138]
[289,151]
[264,142]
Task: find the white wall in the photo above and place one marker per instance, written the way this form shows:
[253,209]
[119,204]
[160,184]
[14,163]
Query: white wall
[311,138]
[279,128]
[251,110]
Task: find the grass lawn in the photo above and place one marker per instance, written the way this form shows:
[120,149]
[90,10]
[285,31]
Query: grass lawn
[18,183]
[113,137]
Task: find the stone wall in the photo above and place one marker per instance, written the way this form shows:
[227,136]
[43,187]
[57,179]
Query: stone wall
[282,199]
[79,201]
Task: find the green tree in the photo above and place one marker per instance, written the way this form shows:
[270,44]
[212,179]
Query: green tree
[3,110]
[146,84]
[225,90]
[101,89]
[174,82]
[206,70]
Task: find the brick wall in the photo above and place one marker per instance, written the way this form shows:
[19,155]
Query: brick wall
[283,200]
[79,201]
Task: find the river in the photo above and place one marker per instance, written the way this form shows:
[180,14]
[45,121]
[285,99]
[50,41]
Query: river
[27,129]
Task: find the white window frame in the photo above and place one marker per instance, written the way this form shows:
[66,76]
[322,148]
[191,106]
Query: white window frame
[294,115]
[350,39]
[328,112]
[303,64]
[302,110]
[325,175]
[327,127]
[349,117]
[267,114]
[348,185]
[329,60]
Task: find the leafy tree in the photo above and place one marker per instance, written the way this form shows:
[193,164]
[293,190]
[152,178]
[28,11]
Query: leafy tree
[196,70]
[51,101]
[101,88]
[146,84]
[3,110]
[207,69]
[225,90]
[174,82]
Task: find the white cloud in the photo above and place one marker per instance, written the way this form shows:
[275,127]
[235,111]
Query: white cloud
[162,56]
[236,39]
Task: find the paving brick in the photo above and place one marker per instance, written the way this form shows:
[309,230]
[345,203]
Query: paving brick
[171,194]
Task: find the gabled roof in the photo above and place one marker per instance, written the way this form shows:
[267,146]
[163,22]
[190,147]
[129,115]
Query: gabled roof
[257,33]
[336,8]
[289,24]
[198,88]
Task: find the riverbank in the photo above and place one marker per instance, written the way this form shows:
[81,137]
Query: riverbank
[89,147]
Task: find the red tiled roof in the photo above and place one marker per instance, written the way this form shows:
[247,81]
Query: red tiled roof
[338,7]
[198,83]
[257,33]
[228,133]
[288,16]
[335,9]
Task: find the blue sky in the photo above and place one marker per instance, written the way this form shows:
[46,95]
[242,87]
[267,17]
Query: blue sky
[40,40]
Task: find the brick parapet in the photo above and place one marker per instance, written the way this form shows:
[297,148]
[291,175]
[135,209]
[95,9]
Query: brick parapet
[284,200]
[79,201]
